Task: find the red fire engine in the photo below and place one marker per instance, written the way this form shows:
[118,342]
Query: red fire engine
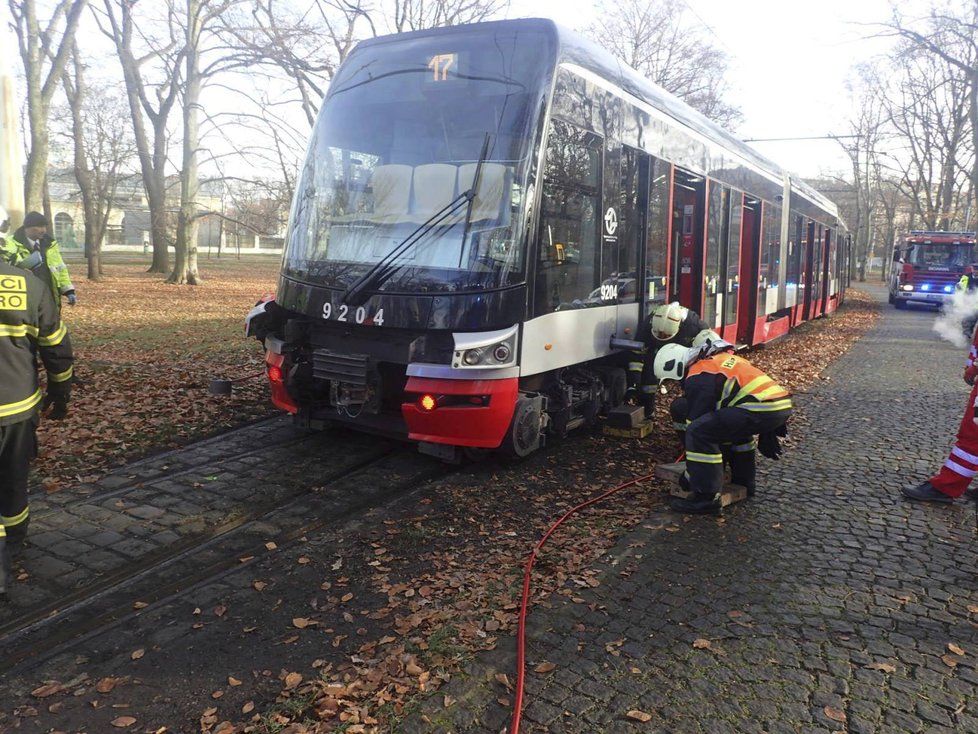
[928,265]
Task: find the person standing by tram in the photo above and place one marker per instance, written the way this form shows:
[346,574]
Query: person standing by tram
[961,466]
[31,247]
[30,326]
[669,323]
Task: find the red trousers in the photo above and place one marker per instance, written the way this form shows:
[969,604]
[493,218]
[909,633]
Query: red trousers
[962,464]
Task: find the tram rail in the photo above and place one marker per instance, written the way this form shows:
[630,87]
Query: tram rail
[55,626]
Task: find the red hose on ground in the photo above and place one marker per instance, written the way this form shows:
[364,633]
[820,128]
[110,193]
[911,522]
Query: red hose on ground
[521,634]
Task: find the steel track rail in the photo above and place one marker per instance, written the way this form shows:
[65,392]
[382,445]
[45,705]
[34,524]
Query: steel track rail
[60,636]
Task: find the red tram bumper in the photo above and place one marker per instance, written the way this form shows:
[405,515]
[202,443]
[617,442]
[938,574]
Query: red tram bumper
[474,413]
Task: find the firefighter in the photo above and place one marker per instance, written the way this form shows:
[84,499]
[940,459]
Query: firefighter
[968,283]
[729,401]
[31,247]
[962,464]
[669,323]
[29,326]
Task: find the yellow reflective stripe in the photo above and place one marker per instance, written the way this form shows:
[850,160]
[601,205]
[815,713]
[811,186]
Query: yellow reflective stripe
[744,447]
[704,458]
[635,366]
[16,519]
[19,407]
[19,330]
[60,376]
[649,389]
[747,389]
[679,426]
[768,406]
[53,340]
[773,390]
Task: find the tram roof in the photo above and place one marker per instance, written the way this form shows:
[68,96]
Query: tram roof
[574,47]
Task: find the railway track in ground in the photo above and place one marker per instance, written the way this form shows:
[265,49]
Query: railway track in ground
[365,474]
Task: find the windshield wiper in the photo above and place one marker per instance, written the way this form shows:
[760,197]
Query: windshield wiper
[385,268]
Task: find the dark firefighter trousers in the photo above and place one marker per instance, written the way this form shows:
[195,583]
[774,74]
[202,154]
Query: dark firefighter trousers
[18,447]
[737,427]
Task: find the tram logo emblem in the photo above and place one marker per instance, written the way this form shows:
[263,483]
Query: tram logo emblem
[610,221]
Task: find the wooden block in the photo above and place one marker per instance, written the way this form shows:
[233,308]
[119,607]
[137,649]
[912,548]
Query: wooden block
[626,416]
[731,493]
[670,471]
[640,431]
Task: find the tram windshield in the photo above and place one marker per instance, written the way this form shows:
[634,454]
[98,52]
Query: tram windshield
[400,136]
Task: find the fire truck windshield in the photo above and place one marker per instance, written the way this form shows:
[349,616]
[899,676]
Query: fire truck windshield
[940,256]
[399,137]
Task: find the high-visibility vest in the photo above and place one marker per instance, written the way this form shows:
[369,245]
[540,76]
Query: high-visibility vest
[745,387]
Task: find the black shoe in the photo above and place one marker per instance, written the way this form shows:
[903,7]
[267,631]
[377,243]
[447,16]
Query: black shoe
[971,494]
[924,492]
[5,569]
[697,504]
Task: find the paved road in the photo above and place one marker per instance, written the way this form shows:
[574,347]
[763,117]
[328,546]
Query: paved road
[825,604]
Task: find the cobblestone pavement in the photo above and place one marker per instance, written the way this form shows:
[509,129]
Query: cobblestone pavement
[827,603]
[145,510]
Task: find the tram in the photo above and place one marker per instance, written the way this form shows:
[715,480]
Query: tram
[484,215]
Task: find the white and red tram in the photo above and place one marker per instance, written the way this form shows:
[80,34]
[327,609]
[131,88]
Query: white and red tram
[484,215]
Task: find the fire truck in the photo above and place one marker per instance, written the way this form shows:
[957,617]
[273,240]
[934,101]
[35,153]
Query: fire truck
[928,265]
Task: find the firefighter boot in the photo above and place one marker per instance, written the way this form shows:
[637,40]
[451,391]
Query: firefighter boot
[925,492]
[5,571]
[17,537]
[697,504]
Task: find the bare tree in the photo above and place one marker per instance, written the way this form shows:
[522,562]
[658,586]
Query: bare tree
[102,147]
[954,39]
[151,69]
[415,15]
[45,55]
[656,38]
[928,110]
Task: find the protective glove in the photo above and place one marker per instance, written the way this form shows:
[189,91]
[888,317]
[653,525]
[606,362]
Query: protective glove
[631,396]
[970,374]
[72,300]
[58,405]
[769,445]
[31,261]
[57,397]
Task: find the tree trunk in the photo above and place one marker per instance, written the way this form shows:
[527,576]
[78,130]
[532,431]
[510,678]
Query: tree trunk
[185,267]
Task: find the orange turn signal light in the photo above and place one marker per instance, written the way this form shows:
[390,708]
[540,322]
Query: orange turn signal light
[427,402]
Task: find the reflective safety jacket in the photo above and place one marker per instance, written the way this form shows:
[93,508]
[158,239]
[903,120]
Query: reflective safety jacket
[29,326]
[53,269]
[728,381]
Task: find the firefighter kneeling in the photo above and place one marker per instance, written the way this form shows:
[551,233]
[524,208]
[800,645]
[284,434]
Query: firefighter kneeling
[29,325]
[728,402]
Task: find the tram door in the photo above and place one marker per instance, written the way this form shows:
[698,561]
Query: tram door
[688,205]
[717,229]
[731,270]
[810,249]
[750,252]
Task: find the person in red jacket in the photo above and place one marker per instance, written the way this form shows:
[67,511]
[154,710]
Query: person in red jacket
[729,402]
[962,464]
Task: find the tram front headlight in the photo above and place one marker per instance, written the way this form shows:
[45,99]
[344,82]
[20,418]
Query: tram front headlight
[495,354]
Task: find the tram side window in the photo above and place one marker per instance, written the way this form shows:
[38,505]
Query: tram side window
[568,268]
[657,237]
[770,255]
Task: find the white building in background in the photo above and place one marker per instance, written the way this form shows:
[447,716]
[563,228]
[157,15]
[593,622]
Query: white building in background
[129,221]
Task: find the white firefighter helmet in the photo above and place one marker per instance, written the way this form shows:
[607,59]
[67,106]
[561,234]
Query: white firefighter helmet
[670,362]
[666,320]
